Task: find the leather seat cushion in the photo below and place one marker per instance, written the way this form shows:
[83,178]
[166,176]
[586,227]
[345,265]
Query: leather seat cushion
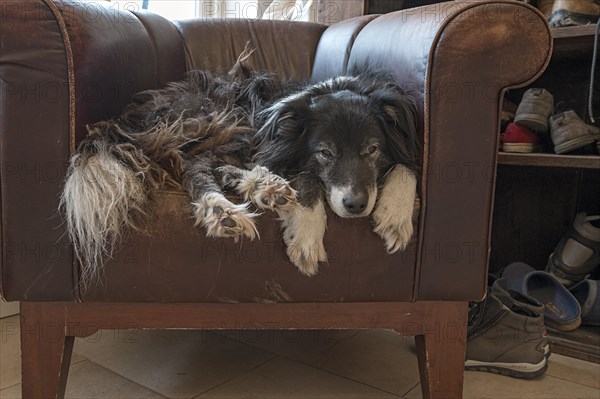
[175,262]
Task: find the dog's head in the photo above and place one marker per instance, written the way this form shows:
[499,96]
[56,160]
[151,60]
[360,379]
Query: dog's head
[348,131]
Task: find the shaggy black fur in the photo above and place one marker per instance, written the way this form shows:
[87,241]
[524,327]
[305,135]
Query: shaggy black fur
[199,135]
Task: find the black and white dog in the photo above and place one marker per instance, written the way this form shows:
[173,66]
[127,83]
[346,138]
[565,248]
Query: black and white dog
[350,141]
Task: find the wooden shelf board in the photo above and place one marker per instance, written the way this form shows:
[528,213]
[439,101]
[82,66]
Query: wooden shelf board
[573,31]
[573,41]
[582,343]
[550,160]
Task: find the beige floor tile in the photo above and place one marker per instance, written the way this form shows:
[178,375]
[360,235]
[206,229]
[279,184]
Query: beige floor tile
[90,381]
[175,363]
[480,385]
[379,358]
[14,392]
[570,369]
[302,345]
[284,378]
[10,352]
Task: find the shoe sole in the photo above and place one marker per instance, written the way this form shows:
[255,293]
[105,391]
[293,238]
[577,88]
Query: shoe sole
[533,122]
[515,370]
[519,147]
[574,144]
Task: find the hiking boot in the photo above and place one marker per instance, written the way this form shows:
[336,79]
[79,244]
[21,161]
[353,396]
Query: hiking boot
[578,252]
[534,110]
[570,133]
[505,340]
[518,138]
[574,12]
[512,298]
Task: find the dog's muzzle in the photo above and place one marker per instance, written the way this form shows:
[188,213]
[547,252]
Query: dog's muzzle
[349,203]
[356,203]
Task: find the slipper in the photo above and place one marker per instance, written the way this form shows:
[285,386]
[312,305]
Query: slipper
[587,294]
[561,309]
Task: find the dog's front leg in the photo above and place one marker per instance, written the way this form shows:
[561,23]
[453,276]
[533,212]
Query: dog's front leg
[394,209]
[302,212]
[217,214]
[304,227]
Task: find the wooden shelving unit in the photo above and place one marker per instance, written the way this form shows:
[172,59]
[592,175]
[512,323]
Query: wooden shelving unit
[539,194]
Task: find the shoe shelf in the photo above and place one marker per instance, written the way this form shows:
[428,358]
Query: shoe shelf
[581,343]
[549,160]
[573,40]
[567,77]
[538,194]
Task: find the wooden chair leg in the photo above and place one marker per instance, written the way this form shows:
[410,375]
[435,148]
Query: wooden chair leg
[441,351]
[45,351]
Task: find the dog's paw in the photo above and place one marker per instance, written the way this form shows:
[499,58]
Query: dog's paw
[304,229]
[394,226]
[394,210]
[267,190]
[305,252]
[221,218]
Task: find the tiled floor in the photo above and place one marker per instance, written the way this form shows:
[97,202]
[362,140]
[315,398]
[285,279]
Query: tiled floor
[270,364]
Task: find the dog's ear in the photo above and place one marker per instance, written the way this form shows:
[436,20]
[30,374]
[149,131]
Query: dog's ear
[277,141]
[399,114]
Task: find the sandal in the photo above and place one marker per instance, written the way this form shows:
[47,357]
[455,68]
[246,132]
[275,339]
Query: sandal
[561,309]
[587,293]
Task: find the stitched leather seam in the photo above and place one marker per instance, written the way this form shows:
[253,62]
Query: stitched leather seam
[71,79]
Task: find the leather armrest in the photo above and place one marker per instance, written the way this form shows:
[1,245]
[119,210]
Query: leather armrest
[63,64]
[457,59]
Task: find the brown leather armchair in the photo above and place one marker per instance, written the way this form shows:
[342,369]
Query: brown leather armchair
[64,64]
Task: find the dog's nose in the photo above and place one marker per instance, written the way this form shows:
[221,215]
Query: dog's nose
[355,203]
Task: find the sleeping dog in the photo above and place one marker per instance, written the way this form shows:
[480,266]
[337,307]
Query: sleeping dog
[349,142]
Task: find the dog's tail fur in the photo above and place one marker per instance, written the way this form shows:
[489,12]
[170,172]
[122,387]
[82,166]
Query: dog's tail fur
[104,194]
[123,160]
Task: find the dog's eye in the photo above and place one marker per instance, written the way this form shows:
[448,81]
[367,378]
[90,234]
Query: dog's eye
[326,153]
[372,149]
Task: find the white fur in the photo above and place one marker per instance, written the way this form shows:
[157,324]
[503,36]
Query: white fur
[394,210]
[100,198]
[266,190]
[336,201]
[304,229]
[216,213]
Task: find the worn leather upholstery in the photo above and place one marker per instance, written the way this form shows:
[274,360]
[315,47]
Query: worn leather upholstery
[288,50]
[64,64]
